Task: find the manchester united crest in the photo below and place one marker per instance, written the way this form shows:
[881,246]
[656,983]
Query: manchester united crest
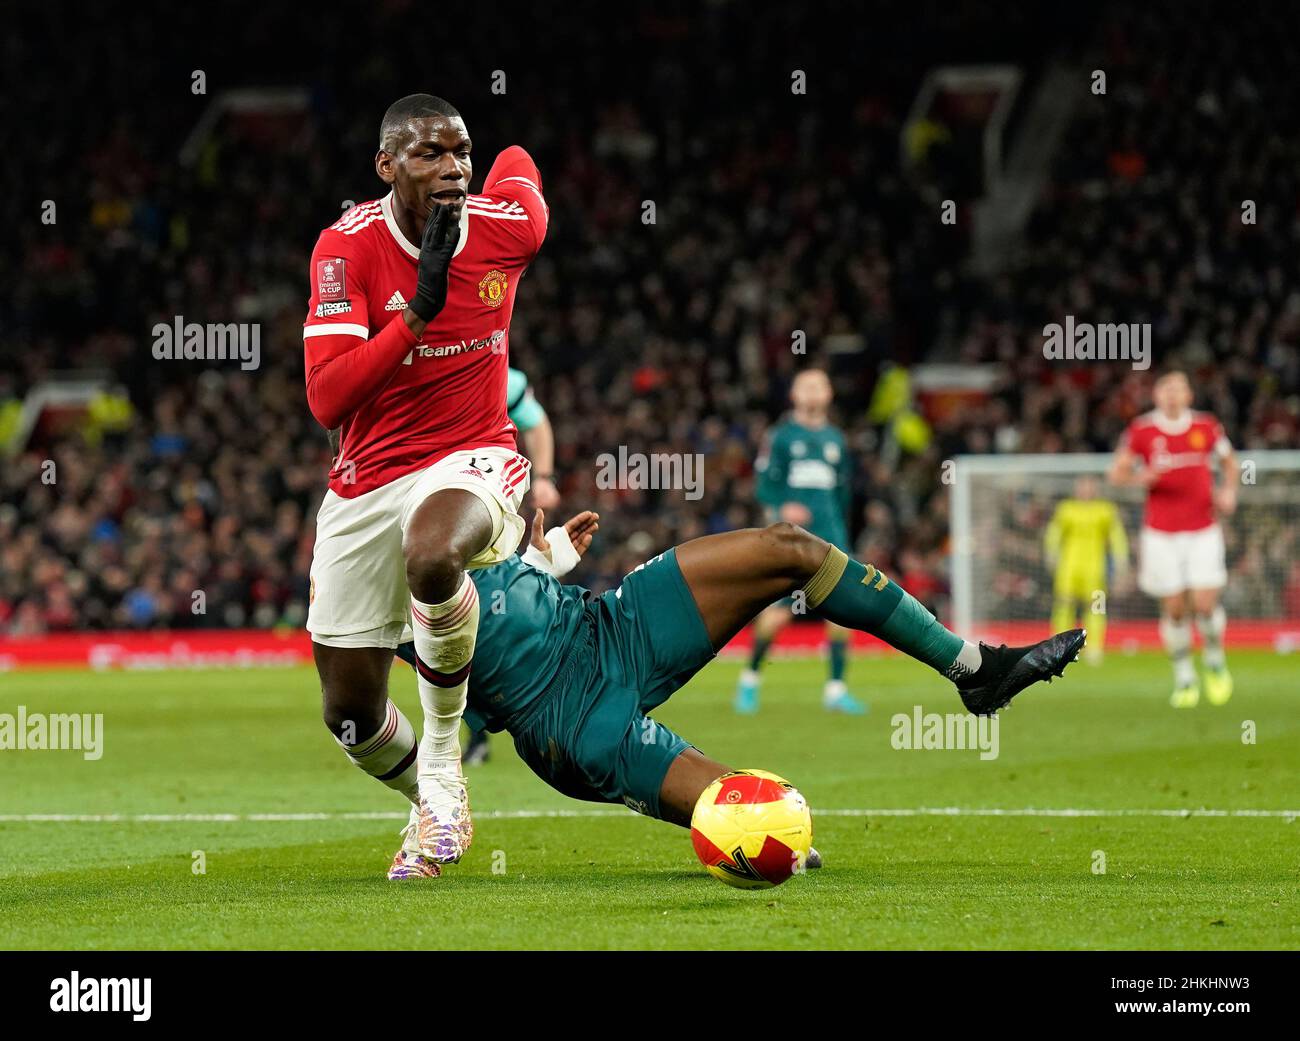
[492,288]
[1196,439]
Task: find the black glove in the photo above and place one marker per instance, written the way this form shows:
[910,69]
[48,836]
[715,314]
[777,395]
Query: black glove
[441,233]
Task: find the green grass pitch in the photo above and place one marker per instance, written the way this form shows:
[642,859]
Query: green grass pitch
[248,743]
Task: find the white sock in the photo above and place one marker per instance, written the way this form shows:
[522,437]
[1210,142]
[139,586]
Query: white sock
[1177,638]
[444,644]
[1211,627]
[969,657]
[834,690]
[388,755]
[749,677]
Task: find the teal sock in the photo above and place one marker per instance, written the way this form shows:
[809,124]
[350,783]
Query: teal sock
[839,656]
[858,596]
[759,652]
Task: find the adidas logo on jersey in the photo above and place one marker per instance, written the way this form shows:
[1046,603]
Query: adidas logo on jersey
[395,303]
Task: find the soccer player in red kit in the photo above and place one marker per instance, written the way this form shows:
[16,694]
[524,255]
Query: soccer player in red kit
[1168,451]
[406,353]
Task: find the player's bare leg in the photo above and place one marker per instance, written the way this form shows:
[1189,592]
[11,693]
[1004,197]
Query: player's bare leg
[372,731]
[732,576]
[447,530]
[735,575]
[767,626]
[1176,635]
[354,687]
[687,778]
[1211,621]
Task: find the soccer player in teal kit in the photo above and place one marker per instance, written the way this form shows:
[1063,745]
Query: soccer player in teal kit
[573,676]
[805,477]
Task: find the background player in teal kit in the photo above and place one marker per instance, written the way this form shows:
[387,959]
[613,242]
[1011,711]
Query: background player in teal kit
[805,477]
[526,412]
[573,676]
[538,444]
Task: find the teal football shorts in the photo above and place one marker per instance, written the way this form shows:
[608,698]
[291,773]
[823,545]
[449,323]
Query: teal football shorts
[589,735]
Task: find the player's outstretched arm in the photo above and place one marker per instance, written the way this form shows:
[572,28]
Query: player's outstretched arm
[558,551]
[514,177]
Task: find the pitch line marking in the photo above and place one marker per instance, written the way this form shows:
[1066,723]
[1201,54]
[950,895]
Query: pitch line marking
[917,811]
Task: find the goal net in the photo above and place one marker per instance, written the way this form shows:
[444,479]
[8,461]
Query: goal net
[1002,580]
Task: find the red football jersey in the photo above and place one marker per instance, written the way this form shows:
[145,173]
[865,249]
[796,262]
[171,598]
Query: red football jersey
[1180,450]
[403,404]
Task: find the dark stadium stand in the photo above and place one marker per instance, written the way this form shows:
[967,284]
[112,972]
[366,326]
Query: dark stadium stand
[673,337]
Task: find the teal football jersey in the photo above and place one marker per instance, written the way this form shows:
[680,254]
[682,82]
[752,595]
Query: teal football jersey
[524,410]
[813,468]
[519,647]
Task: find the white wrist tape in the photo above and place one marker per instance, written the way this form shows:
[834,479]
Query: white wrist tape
[534,557]
[563,555]
[564,558]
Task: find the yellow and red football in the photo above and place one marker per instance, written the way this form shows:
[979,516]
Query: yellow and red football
[752,829]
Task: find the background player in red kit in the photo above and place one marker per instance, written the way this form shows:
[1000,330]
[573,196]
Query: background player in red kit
[406,353]
[1168,451]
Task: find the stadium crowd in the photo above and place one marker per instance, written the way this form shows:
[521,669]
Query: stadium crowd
[671,337]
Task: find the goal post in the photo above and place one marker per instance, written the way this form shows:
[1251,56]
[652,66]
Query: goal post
[1002,581]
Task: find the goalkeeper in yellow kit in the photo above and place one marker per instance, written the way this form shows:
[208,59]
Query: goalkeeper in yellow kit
[1081,531]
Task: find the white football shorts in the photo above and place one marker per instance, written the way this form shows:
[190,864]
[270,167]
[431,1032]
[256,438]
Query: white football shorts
[359,596]
[1171,562]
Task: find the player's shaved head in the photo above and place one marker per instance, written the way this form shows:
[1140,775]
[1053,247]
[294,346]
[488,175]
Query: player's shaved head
[395,126]
[424,154]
